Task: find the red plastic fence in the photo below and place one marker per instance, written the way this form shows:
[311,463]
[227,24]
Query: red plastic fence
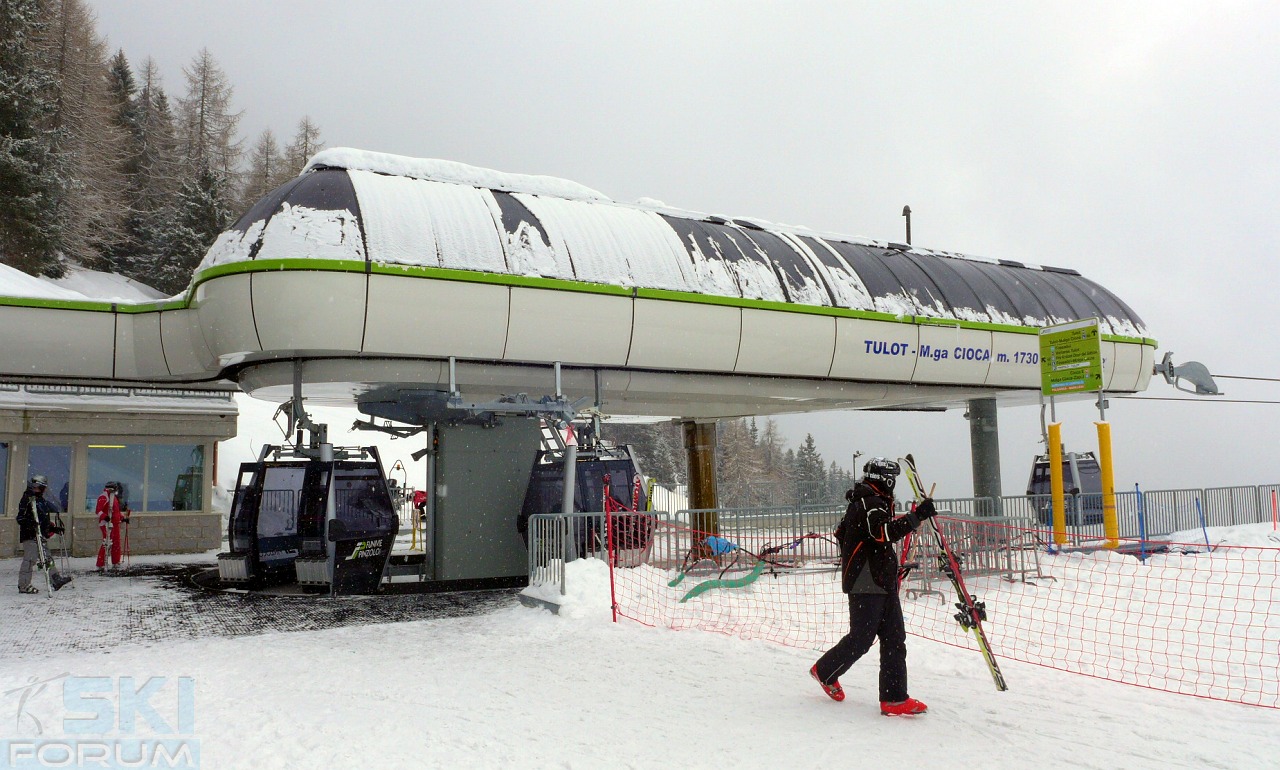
[1184,618]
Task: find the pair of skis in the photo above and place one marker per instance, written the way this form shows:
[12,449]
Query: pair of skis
[971,611]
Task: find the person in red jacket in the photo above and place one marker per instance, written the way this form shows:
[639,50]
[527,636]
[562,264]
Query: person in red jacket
[111,514]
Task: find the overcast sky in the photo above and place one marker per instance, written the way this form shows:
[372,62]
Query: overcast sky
[1132,141]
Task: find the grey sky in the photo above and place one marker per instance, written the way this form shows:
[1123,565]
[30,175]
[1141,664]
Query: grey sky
[1132,141]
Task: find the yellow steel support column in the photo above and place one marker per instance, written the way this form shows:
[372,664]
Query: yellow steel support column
[1055,483]
[1110,524]
[700,448]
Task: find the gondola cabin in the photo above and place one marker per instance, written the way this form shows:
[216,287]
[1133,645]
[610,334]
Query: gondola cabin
[1081,484]
[312,522]
[597,464]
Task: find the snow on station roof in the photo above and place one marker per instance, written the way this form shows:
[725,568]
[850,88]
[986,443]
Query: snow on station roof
[356,205]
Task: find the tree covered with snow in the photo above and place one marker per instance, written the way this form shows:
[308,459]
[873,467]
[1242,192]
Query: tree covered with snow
[29,235]
[100,167]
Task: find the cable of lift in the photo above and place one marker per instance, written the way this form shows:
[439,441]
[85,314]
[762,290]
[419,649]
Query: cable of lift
[1198,400]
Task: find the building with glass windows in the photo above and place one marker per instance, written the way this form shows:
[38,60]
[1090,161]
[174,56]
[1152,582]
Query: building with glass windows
[160,444]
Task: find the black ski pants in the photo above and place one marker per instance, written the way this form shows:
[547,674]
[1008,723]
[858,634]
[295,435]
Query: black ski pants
[872,616]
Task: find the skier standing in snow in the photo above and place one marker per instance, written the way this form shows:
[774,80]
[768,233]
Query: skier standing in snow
[111,514]
[35,520]
[869,575]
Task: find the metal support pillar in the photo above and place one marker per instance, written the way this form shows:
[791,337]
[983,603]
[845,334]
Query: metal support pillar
[700,448]
[984,446]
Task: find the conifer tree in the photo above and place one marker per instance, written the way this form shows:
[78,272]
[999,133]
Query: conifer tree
[87,145]
[306,142]
[29,233]
[267,169]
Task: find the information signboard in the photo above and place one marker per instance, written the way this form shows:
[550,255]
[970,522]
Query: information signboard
[1071,358]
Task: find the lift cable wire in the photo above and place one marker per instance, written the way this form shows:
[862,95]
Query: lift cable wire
[1199,400]
[1238,377]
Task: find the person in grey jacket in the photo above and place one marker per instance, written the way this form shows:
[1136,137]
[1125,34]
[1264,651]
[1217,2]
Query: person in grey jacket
[869,576]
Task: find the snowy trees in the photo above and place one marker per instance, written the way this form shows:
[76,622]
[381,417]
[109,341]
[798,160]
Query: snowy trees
[87,146]
[754,467]
[29,238]
[98,168]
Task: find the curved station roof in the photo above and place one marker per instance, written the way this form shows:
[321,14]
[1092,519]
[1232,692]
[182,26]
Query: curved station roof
[390,210]
[377,269]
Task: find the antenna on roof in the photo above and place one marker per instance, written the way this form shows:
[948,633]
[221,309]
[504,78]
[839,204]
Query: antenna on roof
[906,212]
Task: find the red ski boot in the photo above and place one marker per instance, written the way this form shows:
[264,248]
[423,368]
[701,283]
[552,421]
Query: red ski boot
[904,708]
[833,690]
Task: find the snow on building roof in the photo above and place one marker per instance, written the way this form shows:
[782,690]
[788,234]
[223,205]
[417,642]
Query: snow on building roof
[109,287]
[15,283]
[386,209]
[451,172]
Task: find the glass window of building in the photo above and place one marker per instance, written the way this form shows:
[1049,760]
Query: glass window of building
[52,461]
[175,477]
[124,463]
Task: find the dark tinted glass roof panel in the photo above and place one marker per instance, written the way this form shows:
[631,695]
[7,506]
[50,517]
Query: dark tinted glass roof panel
[1107,302]
[995,301]
[1059,307]
[756,275]
[1027,306]
[800,281]
[1084,305]
[915,280]
[957,291]
[824,255]
[751,270]
[879,280]
[327,189]
[515,213]
[266,205]
[697,241]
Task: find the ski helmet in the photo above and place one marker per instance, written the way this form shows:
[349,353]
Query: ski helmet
[882,472]
[39,481]
[114,486]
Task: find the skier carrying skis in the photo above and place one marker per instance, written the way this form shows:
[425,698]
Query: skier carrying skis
[869,575]
[111,514]
[36,520]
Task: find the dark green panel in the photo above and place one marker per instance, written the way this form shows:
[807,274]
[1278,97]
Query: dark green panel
[485,472]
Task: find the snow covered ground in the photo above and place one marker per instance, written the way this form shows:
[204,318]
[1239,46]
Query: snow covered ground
[520,687]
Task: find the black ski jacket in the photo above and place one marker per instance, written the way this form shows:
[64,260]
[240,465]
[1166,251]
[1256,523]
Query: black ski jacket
[868,561]
[27,520]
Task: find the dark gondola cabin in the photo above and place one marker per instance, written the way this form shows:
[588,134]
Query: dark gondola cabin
[282,529]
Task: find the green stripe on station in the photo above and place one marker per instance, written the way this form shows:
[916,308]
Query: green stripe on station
[528,282]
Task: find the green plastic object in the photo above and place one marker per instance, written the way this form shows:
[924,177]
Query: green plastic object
[707,585]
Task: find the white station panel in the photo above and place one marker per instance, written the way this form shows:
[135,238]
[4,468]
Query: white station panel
[953,354]
[297,310]
[225,309]
[794,344]
[1015,360]
[875,350]
[185,351]
[139,351]
[1146,368]
[426,317]
[685,336]
[1129,366]
[568,326]
[1108,363]
[74,342]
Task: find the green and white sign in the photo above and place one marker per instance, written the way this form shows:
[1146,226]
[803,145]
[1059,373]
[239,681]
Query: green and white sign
[1071,358]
